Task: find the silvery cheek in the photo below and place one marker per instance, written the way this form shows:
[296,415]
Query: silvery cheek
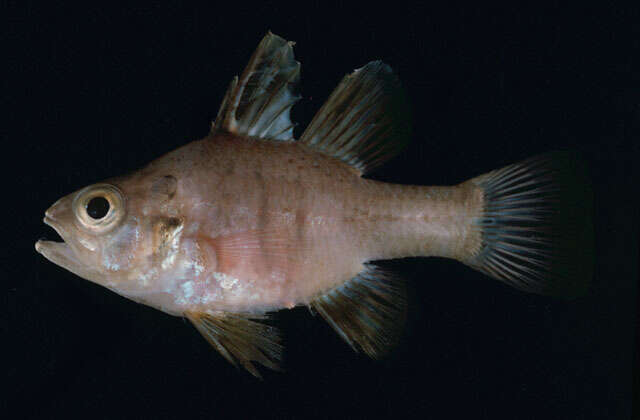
[122,248]
[88,243]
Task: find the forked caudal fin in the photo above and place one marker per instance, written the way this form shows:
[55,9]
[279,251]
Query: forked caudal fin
[535,225]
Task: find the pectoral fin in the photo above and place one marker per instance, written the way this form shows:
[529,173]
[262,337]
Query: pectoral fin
[240,339]
[367,311]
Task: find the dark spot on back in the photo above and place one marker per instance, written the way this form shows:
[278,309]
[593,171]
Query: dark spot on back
[165,185]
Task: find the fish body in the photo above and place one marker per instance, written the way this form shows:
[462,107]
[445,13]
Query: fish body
[247,220]
[254,224]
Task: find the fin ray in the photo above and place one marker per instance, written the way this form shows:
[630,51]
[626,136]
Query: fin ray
[536,225]
[258,103]
[239,339]
[365,121]
[278,248]
[367,311]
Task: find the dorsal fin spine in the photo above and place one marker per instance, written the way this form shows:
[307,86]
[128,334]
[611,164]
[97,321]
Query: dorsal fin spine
[285,108]
[257,103]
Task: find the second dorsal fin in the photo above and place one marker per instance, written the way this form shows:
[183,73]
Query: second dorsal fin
[259,102]
[365,121]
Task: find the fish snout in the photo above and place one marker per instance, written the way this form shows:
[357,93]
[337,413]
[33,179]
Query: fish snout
[57,217]
[58,209]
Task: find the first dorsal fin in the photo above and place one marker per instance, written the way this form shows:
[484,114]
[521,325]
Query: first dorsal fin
[367,311]
[258,104]
[365,121]
[239,339]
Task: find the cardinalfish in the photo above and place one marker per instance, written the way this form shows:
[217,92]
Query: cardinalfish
[249,220]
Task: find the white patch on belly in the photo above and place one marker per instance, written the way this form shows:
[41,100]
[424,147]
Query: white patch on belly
[225,281]
[145,277]
[110,264]
[187,289]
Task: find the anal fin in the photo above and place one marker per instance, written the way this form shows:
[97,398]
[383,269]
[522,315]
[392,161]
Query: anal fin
[239,339]
[368,311]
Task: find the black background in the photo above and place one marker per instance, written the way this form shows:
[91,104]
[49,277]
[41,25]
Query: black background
[93,93]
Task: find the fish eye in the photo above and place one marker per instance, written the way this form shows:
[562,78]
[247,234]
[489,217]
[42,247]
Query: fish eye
[99,208]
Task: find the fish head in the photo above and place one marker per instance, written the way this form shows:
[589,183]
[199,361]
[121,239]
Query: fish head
[115,233]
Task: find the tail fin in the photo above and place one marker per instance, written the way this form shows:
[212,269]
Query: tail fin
[535,225]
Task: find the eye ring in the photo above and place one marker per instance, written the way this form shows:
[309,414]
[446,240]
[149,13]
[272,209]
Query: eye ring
[115,210]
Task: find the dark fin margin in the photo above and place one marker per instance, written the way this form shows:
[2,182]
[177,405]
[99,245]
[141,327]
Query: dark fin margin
[368,311]
[240,340]
[536,228]
[365,121]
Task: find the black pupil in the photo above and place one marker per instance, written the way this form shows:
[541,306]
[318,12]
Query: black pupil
[97,207]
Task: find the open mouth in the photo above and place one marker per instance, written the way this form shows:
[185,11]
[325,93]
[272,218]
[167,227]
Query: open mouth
[58,252]
[58,229]
[62,253]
